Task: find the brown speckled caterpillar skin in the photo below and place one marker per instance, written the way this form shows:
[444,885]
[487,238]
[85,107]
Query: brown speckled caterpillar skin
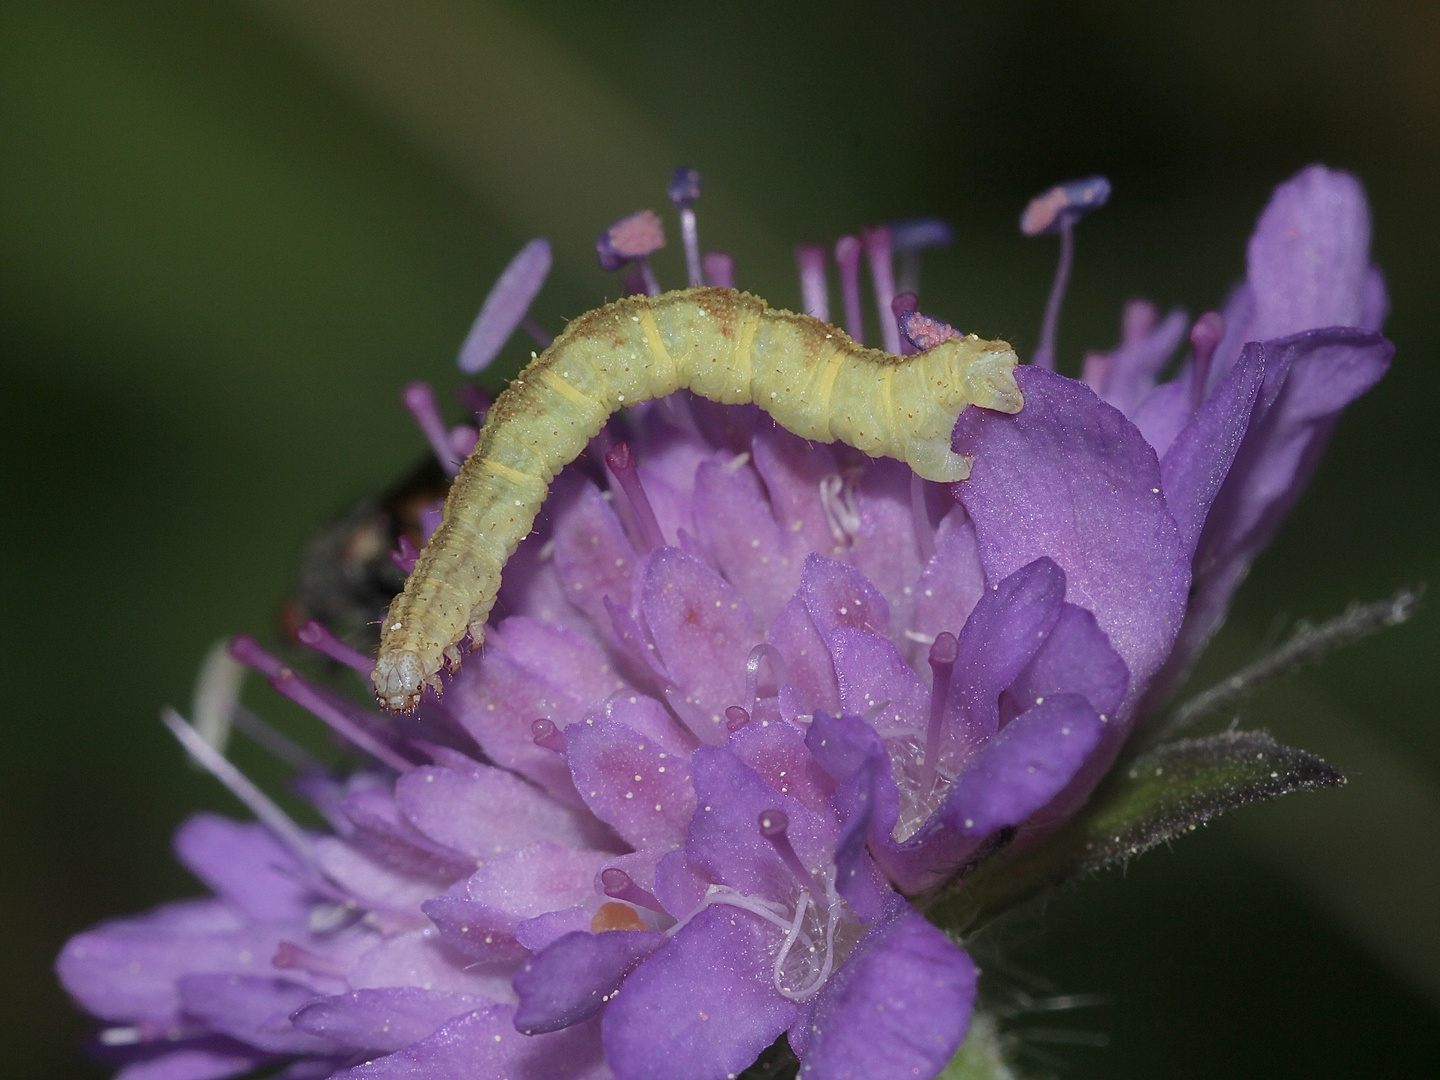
[724,345]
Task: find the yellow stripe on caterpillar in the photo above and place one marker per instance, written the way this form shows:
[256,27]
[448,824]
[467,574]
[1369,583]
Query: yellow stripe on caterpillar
[724,345]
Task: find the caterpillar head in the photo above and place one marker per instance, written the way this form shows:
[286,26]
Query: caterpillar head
[399,679]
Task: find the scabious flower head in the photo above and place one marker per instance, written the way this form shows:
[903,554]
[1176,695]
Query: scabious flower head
[749,702]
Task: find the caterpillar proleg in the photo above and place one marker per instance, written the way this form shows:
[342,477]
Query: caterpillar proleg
[724,345]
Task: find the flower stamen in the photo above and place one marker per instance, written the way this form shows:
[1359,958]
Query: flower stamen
[1205,337]
[684,190]
[814,292]
[419,399]
[547,735]
[1057,210]
[882,277]
[618,885]
[943,654]
[847,257]
[315,635]
[621,463]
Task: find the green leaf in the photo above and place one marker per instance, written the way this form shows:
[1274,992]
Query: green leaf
[1151,799]
[981,1056]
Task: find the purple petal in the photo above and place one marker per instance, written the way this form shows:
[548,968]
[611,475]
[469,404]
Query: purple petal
[367,881]
[1309,379]
[725,839]
[1003,633]
[702,630]
[530,670]
[573,978]
[246,865]
[254,1009]
[384,833]
[1309,258]
[1197,462]
[807,659]
[884,547]
[632,782]
[485,815]
[734,520]
[194,1063]
[1070,478]
[836,594]
[792,469]
[1076,659]
[537,933]
[952,581]
[126,971]
[1024,767]
[593,555]
[866,799]
[679,887]
[509,889]
[484,1043]
[1163,415]
[1133,366]
[776,751]
[872,674]
[383,1020]
[897,1009]
[506,305]
[421,959]
[703,1007]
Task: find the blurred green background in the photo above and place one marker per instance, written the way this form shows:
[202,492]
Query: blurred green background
[230,232]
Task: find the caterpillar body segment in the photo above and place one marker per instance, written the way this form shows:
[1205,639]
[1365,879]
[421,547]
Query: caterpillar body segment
[724,345]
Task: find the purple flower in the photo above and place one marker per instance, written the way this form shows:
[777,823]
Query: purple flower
[751,701]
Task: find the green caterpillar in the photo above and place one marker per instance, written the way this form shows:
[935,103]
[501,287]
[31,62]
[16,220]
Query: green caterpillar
[724,345]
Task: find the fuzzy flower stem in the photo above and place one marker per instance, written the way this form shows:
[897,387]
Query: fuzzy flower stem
[1306,644]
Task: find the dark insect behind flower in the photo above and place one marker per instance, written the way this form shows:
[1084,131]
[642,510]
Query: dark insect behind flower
[756,707]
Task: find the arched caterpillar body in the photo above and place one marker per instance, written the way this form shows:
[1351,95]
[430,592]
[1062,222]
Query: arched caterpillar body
[724,345]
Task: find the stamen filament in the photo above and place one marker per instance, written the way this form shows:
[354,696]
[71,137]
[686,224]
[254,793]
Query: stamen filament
[719,269]
[920,516]
[241,786]
[882,276]
[547,735]
[1205,337]
[618,885]
[814,292]
[774,826]
[419,399]
[752,671]
[847,257]
[309,697]
[318,637]
[622,466]
[1045,352]
[942,664]
[405,556]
